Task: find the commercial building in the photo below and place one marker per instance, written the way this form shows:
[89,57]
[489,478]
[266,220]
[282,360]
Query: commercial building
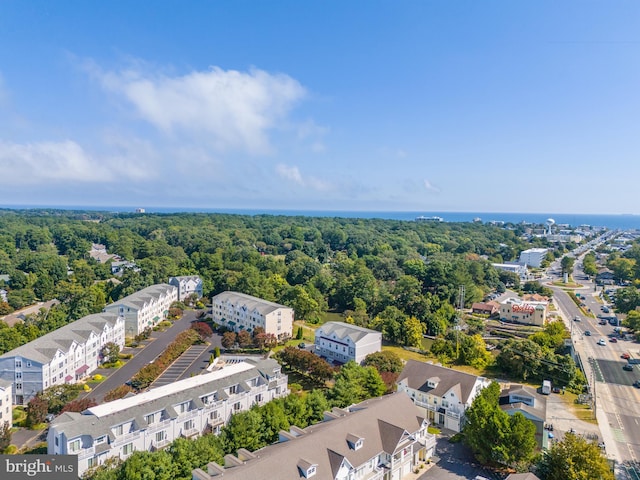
[517,268]
[533,257]
[145,308]
[65,355]
[520,311]
[379,439]
[6,403]
[187,285]
[340,342]
[238,311]
[153,419]
[443,394]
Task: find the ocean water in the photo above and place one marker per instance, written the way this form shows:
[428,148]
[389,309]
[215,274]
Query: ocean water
[614,222]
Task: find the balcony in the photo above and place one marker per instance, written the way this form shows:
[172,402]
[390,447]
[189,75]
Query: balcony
[189,432]
[129,437]
[161,444]
[85,453]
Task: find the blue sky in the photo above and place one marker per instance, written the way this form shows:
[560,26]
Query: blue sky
[497,106]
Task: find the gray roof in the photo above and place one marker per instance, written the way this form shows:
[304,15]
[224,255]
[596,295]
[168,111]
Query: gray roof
[344,330]
[98,421]
[43,349]
[416,374]
[5,383]
[138,299]
[383,423]
[539,408]
[185,277]
[522,476]
[252,303]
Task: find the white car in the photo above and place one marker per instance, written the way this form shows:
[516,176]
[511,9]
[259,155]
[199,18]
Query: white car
[602,341]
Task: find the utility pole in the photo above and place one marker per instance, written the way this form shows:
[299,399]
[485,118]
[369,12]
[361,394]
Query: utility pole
[458,325]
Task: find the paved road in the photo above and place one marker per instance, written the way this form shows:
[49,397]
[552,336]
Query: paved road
[617,402]
[143,357]
[456,463]
[19,315]
[175,371]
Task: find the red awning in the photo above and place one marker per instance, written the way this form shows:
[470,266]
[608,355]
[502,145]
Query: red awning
[82,369]
[67,378]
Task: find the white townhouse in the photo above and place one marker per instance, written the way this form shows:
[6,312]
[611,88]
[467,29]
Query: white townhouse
[379,439]
[6,402]
[145,308]
[187,285]
[238,311]
[340,342]
[444,394]
[153,419]
[65,355]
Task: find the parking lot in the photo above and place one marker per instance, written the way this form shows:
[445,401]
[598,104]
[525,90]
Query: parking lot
[179,368]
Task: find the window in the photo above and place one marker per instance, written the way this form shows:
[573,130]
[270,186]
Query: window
[74,446]
[18,363]
[57,441]
[183,407]
[258,398]
[149,419]
[236,406]
[127,449]
[18,375]
[233,389]
[213,415]
[92,462]
[118,430]
[28,364]
[18,386]
[160,436]
[188,425]
[100,440]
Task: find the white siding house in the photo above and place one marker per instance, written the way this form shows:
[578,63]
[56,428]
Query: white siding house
[153,419]
[238,311]
[379,439]
[444,394]
[145,308]
[341,342]
[6,403]
[65,355]
[187,285]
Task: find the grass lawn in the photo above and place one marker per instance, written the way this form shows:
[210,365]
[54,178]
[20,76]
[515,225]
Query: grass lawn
[405,354]
[307,385]
[581,411]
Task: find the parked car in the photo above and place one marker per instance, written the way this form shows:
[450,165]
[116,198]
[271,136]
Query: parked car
[628,367]
[613,340]
[302,345]
[626,356]
[636,384]
[576,319]
[587,333]
[602,341]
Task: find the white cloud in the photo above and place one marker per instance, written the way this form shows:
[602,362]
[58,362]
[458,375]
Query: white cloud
[429,186]
[292,173]
[57,161]
[227,108]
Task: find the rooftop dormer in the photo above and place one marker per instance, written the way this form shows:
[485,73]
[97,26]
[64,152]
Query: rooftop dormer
[355,442]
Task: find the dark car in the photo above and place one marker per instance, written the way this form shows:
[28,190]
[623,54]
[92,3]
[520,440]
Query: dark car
[628,367]
[587,333]
[613,340]
[302,345]
[636,384]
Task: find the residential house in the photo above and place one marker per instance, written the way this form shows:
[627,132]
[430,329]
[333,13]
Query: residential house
[153,419]
[340,342]
[485,308]
[119,266]
[238,311]
[6,403]
[99,253]
[3,295]
[381,438]
[187,285]
[65,355]
[442,393]
[144,309]
[605,277]
[523,399]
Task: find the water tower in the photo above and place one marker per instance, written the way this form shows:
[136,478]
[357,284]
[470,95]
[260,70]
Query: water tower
[550,221]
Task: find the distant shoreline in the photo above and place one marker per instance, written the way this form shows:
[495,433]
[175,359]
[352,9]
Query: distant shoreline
[623,221]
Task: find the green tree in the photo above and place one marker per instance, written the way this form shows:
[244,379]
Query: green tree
[384,361]
[574,458]
[243,431]
[274,419]
[149,466]
[355,383]
[567,263]
[37,410]
[632,322]
[5,435]
[110,353]
[412,332]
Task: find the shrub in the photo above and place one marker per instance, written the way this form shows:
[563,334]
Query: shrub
[117,393]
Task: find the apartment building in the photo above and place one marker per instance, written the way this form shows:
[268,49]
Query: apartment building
[153,419]
[187,285]
[340,342]
[533,257]
[6,402]
[442,393]
[65,355]
[378,439]
[238,311]
[145,308]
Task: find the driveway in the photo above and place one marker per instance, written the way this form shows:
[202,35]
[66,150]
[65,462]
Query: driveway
[456,463]
[142,357]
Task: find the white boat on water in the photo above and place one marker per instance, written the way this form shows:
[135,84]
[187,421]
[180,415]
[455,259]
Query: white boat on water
[422,218]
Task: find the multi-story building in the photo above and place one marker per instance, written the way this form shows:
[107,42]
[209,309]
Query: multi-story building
[153,419]
[238,311]
[533,257]
[65,355]
[519,311]
[6,402]
[340,342]
[145,308]
[187,285]
[444,394]
[379,439]
[523,399]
